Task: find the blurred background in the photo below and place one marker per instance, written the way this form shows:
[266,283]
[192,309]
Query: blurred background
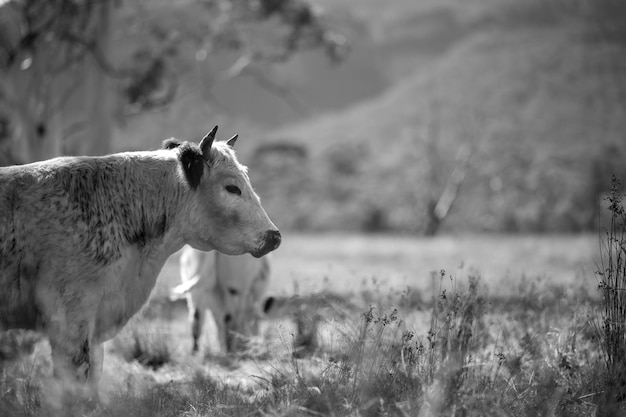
[419,117]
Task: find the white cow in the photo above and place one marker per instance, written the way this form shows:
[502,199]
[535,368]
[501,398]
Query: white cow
[82,239]
[232,287]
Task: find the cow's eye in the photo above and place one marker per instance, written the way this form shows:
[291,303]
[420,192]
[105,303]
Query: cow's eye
[233,189]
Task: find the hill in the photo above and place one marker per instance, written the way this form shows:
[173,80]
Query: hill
[533,94]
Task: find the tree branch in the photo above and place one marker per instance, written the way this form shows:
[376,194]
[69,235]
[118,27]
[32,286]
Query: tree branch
[243,66]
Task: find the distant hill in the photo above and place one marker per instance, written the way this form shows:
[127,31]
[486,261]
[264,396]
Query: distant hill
[536,94]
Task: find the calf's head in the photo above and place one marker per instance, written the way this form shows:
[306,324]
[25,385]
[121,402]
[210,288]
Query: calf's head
[225,213]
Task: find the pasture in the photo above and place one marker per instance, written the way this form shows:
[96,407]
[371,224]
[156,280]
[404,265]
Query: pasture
[368,325]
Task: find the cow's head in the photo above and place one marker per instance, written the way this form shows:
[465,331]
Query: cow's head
[225,213]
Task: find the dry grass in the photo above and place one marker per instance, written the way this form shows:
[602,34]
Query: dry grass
[460,354]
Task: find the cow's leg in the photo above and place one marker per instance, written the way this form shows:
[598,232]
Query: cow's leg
[72,359]
[196,308]
[240,323]
[69,325]
[216,303]
[229,332]
[258,290]
[198,315]
[71,354]
[96,359]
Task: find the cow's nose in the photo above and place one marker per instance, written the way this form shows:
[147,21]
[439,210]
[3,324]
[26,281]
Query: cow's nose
[273,239]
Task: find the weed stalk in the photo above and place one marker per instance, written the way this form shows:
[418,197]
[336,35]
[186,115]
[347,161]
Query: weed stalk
[612,284]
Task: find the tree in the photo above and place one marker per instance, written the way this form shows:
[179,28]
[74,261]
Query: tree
[56,52]
[42,47]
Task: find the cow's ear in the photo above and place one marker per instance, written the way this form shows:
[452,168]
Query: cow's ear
[171,143]
[207,142]
[231,142]
[192,162]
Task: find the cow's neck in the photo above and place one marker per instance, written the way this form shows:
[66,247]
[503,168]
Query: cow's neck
[130,281]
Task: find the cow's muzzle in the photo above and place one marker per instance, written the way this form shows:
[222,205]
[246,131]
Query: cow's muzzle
[271,241]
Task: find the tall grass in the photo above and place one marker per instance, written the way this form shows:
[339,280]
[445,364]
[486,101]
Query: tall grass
[612,283]
[388,368]
[469,356]
[542,362]
[452,338]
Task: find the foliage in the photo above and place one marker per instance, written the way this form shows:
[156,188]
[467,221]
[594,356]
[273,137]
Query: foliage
[68,26]
[60,59]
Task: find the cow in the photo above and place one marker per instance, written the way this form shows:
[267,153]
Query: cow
[231,287]
[82,239]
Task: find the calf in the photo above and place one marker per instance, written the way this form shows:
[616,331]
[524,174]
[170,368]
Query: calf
[231,287]
[82,239]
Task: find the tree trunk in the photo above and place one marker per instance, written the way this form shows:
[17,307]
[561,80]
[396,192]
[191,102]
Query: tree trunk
[98,94]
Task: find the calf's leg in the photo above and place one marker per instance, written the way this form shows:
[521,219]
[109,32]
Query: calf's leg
[198,316]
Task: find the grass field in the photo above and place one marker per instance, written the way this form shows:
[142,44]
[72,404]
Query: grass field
[309,263]
[510,328]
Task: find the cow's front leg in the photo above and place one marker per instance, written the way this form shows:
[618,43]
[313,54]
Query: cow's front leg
[69,329]
[77,362]
[76,371]
[71,358]
[96,359]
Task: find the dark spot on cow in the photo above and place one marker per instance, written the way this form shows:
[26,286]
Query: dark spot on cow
[192,162]
[267,306]
[27,316]
[81,358]
[150,228]
[23,314]
[138,238]
[41,130]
